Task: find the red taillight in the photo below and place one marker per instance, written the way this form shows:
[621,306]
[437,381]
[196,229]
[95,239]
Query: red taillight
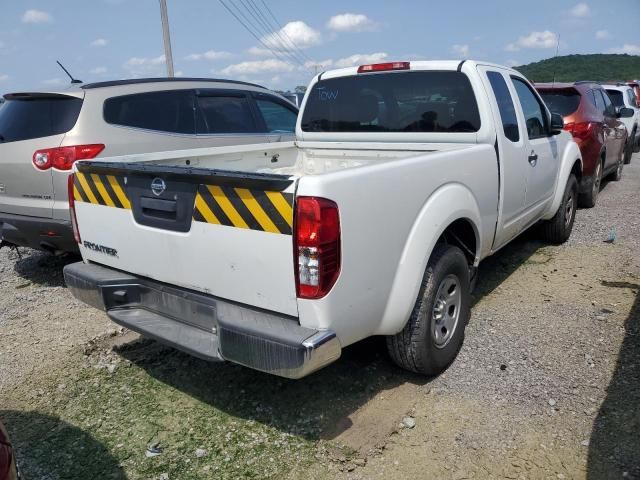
[580,130]
[317,246]
[72,207]
[384,67]
[62,158]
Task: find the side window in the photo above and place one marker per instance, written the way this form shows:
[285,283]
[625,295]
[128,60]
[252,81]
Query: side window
[166,111]
[277,117]
[535,114]
[599,101]
[224,114]
[631,98]
[609,109]
[505,105]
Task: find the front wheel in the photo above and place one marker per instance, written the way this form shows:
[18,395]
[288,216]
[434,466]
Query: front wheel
[432,337]
[558,229]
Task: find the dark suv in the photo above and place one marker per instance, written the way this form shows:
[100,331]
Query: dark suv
[593,121]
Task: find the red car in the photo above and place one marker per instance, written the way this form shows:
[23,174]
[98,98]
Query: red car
[635,84]
[593,121]
[8,469]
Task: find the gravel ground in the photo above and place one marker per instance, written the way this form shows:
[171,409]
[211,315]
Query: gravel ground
[547,384]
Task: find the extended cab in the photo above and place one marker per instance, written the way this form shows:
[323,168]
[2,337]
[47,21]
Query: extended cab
[403,177]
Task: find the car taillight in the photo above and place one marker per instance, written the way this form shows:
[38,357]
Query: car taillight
[62,158]
[384,67]
[317,246]
[72,207]
[579,129]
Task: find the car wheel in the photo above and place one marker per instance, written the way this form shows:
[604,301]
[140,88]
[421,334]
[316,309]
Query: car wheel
[432,337]
[628,151]
[589,199]
[617,175]
[558,229]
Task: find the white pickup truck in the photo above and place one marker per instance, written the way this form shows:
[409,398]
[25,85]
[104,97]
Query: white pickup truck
[403,177]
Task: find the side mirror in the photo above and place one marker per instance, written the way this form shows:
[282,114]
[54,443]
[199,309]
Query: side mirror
[557,123]
[624,112]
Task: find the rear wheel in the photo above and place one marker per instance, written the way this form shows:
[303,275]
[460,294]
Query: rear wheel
[589,199]
[434,333]
[558,229]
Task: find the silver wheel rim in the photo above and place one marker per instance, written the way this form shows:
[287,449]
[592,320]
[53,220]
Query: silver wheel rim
[568,212]
[446,310]
[597,180]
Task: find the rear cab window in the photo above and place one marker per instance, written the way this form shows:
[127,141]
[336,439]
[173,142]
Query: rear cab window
[29,116]
[414,101]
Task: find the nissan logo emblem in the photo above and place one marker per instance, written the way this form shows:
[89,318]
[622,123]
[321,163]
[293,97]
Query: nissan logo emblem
[158,186]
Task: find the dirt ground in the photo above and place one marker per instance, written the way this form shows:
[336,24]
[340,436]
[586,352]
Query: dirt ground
[547,384]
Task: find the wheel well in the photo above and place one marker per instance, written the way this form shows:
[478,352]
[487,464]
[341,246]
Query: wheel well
[576,170]
[462,234]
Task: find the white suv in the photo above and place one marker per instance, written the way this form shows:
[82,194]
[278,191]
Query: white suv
[623,96]
[43,133]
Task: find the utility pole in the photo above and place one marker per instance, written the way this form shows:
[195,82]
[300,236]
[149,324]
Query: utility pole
[167,37]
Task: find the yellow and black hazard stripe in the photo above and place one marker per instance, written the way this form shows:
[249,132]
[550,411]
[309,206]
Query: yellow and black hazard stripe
[105,190]
[267,211]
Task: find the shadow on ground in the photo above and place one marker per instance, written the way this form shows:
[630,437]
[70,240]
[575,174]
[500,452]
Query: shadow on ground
[49,448]
[318,406]
[41,268]
[614,447]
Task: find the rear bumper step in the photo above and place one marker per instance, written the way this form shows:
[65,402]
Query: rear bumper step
[203,325]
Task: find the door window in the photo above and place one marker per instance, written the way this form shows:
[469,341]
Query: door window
[224,114]
[616,97]
[609,109]
[277,117]
[166,111]
[505,105]
[599,101]
[534,113]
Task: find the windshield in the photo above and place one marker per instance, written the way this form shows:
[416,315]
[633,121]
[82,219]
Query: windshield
[393,102]
[562,102]
[616,98]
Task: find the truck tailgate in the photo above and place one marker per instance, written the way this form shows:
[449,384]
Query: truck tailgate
[224,233]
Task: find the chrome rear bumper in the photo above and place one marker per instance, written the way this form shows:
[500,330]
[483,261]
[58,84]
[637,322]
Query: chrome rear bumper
[202,325]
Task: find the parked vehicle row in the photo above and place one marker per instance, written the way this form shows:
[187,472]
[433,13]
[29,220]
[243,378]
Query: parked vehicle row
[43,133]
[403,177]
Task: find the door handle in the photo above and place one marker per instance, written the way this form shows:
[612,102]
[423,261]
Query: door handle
[533,158]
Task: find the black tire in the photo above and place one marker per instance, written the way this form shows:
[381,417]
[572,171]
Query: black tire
[628,150]
[417,348]
[617,175]
[589,199]
[558,229]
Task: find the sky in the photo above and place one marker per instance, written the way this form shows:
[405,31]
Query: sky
[290,40]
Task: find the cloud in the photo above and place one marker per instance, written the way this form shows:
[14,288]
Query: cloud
[145,66]
[100,42]
[512,63]
[461,50]
[602,34]
[4,78]
[270,65]
[260,52]
[321,64]
[544,39]
[361,59]
[179,73]
[53,81]
[297,33]
[628,48]
[36,16]
[581,10]
[98,71]
[208,55]
[1,44]
[351,22]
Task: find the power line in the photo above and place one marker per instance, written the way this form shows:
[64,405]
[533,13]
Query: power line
[269,35]
[275,53]
[281,29]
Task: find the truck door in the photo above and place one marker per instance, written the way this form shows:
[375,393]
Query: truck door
[509,145]
[541,150]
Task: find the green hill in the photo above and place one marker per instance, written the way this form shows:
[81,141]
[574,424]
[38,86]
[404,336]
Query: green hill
[570,68]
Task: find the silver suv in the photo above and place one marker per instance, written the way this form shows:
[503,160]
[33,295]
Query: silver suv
[43,133]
